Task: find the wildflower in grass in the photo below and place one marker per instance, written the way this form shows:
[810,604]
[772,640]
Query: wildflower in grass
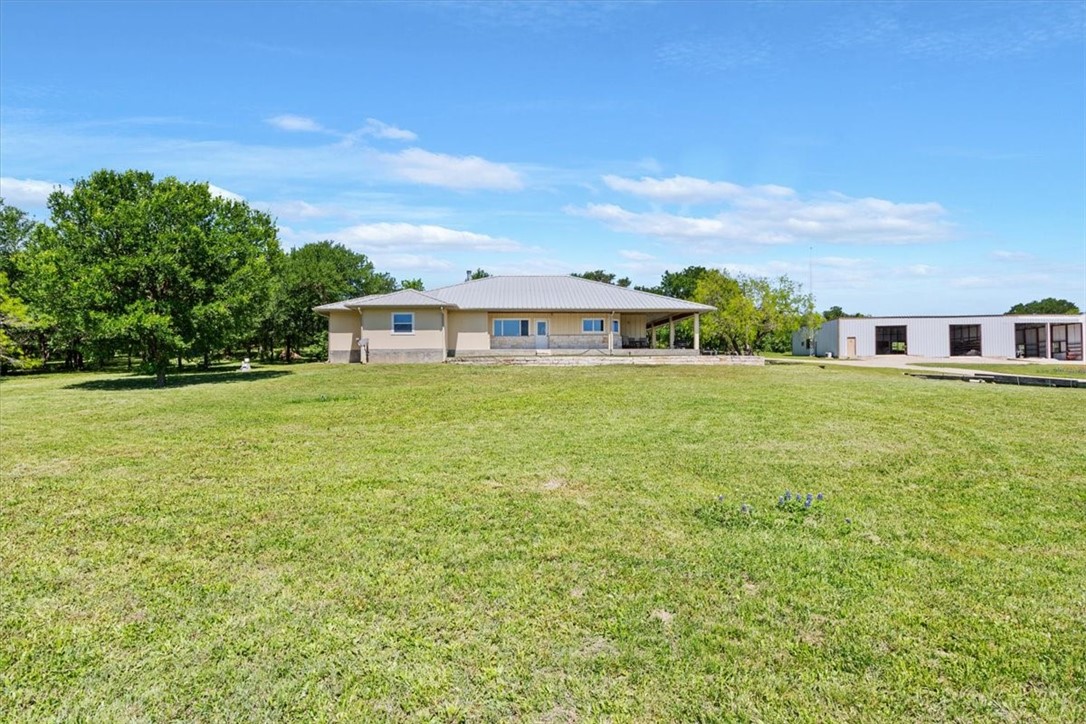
[819,497]
[848,521]
[807,503]
[744,508]
[780,501]
[787,495]
[809,499]
[720,498]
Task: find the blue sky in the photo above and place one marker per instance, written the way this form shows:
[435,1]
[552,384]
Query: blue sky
[920,157]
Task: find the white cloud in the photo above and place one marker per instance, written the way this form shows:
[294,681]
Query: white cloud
[453,172]
[27,192]
[922,270]
[405,237]
[223,193]
[289,122]
[633,255]
[1002,281]
[412,263]
[767,214]
[690,190]
[1012,256]
[379,129]
[297,209]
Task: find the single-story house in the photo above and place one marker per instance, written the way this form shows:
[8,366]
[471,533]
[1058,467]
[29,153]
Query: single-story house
[1051,336]
[502,315]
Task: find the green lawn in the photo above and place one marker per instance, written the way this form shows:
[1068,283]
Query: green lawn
[478,543]
[1071,370]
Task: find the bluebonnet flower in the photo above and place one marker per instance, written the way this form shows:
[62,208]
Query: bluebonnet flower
[848,521]
[780,501]
[809,499]
[788,495]
[819,497]
[807,503]
[744,508]
[719,498]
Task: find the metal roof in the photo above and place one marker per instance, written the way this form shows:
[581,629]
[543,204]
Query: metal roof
[555,293]
[527,293]
[402,298]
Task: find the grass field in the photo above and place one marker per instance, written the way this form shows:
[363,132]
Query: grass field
[480,543]
[1071,370]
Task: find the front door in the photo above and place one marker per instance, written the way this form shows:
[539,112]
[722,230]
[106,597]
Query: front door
[850,347]
[541,341]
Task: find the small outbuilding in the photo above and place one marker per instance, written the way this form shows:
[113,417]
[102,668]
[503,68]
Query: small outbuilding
[1045,336]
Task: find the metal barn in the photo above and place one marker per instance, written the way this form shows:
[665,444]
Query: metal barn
[1045,336]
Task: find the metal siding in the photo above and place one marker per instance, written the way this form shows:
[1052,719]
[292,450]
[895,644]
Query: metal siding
[930,336]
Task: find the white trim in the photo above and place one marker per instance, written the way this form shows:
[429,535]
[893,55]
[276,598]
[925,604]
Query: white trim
[393,326]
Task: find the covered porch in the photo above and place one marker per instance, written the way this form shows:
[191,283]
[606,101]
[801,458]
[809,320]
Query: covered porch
[617,333]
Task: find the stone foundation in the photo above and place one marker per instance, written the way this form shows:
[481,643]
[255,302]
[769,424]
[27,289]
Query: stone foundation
[405,356]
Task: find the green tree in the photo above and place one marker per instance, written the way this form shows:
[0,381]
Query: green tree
[835,312]
[1048,305]
[599,275]
[415,284]
[21,328]
[315,274]
[479,273]
[14,320]
[15,230]
[753,313]
[129,263]
[680,285]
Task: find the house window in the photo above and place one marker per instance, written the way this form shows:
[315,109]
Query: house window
[590,325]
[510,327]
[964,340]
[614,326]
[403,322]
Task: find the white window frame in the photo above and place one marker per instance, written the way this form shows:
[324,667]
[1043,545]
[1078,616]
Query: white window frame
[521,322]
[602,325]
[409,314]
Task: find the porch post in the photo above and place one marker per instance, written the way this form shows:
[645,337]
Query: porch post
[444,333]
[1048,340]
[697,332]
[611,334]
[671,332]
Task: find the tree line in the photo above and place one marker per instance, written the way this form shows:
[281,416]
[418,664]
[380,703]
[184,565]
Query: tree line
[160,271]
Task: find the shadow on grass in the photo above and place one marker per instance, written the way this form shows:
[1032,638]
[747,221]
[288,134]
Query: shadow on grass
[183,379]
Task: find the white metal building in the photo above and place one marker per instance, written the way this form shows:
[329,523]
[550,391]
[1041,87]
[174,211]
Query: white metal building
[1052,336]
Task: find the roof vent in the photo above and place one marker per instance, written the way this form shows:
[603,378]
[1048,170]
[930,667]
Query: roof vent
[467,275]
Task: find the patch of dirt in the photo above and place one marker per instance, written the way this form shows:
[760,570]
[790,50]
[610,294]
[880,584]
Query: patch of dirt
[663,616]
[578,593]
[558,715]
[751,589]
[598,646]
[555,484]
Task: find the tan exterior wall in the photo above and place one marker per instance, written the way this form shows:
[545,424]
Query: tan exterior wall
[560,323]
[428,334]
[633,325]
[343,334]
[469,331]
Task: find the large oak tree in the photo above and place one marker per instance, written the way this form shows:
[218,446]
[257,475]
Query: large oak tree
[159,267]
